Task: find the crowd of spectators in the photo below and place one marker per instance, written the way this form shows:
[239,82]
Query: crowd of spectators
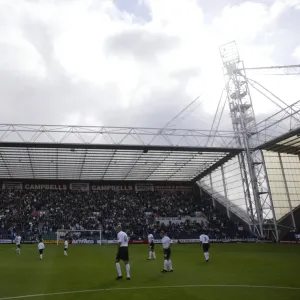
[43,212]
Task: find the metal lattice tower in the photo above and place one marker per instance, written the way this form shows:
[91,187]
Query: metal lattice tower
[256,189]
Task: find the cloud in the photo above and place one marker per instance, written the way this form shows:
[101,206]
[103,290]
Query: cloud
[293,3]
[91,62]
[140,44]
[296,53]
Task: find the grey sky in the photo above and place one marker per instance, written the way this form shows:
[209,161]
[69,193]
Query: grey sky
[135,63]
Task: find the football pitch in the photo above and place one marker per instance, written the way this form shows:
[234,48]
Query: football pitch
[236,271]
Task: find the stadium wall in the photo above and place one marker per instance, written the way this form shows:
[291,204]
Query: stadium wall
[225,186]
[283,172]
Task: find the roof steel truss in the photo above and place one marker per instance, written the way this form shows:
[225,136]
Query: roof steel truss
[94,135]
[107,164]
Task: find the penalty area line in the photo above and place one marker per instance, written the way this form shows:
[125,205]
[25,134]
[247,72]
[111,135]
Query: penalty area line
[155,287]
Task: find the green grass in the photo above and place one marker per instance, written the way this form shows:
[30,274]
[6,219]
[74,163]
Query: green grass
[92,267]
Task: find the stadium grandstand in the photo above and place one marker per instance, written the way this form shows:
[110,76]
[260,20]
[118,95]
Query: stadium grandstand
[237,192]
[141,159]
[242,184]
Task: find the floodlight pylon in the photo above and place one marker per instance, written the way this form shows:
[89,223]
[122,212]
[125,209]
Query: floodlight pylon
[256,189]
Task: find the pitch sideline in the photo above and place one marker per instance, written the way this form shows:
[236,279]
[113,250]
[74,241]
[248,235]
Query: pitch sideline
[153,287]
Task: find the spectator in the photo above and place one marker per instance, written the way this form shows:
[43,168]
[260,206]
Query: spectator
[44,212]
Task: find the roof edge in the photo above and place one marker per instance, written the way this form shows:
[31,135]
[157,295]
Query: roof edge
[73,146]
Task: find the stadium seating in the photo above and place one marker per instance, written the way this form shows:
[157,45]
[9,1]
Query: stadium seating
[34,213]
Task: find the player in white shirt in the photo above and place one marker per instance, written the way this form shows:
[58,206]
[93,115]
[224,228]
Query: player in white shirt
[122,253]
[152,254]
[41,248]
[66,245]
[166,243]
[18,243]
[204,239]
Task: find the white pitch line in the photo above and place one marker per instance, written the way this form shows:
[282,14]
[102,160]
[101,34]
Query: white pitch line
[155,287]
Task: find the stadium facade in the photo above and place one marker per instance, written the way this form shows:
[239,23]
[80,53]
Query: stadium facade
[252,171]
